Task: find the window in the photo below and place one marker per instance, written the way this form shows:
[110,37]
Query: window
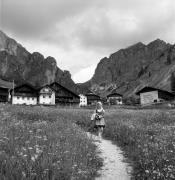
[22,97]
[32,98]
[43,96]
[50,96]
[17,97]
[28,98]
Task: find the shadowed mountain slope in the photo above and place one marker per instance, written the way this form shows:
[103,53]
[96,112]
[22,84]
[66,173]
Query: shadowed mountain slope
[130,69]
[17,64]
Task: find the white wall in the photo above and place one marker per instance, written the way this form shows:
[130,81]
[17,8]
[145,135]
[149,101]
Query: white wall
[149,97]
[83,100]
[47,96]
[24,100]
[45,99]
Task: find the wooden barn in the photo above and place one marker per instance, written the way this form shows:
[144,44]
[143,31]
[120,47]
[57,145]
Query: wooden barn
[114,98]
[149,95]
[46,95]
[64,96]
[5,87]
[24,94]
[92,98]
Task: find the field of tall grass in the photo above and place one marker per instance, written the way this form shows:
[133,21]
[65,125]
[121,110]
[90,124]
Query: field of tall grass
[147,138]
[42,143]
[45,143]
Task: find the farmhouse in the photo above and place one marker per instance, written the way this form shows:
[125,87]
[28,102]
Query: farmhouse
[46,95]
[5,87]
[114,98]
[92,98]
[83,100]
[24,94]
[150,95]
[63,95]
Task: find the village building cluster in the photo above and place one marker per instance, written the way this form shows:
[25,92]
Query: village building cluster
[26,94]
[55,93]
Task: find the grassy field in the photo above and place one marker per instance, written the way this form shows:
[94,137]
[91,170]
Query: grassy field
[147,138]
[41,143]
[45,143]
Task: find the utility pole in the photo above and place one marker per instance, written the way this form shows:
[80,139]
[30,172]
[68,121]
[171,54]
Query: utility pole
[13,91]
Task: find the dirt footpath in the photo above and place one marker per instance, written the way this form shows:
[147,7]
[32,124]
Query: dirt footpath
[114,166]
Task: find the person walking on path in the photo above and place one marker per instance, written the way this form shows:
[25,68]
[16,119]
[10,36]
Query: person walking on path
[99,119]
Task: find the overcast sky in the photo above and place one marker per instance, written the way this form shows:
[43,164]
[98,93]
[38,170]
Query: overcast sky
[78,33]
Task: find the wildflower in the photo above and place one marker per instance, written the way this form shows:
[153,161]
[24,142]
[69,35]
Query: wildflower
[146,171]
[39,137]
[23,174]
[44,138]
[30,148]
[24,149]
[38,151]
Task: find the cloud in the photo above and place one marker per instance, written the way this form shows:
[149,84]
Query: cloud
[79,33]
[115,28]
[38,17]
[85,74]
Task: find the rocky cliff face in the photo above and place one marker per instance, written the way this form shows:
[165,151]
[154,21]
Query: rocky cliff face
[16,63]
[129,69]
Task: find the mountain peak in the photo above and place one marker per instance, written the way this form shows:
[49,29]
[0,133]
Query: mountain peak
[135,66]
[157,43]
[136,45]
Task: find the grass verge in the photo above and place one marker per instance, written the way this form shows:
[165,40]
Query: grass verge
[38,143]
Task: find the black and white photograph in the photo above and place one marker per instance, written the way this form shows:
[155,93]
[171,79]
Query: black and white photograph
[87,90]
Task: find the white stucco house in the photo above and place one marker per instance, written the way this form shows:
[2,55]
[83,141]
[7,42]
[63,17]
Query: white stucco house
[46,96]
[83,100]
[24,95]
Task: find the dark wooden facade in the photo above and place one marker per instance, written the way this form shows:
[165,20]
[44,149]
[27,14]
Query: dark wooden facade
[63,95]
[5,87]
[25,90]
[92,98]
[4,94]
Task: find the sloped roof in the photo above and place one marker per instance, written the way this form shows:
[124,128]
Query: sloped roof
[47,85]
[64,88]
[6,84]
[149,88]
[114,93]
[26,85]
[90,93]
